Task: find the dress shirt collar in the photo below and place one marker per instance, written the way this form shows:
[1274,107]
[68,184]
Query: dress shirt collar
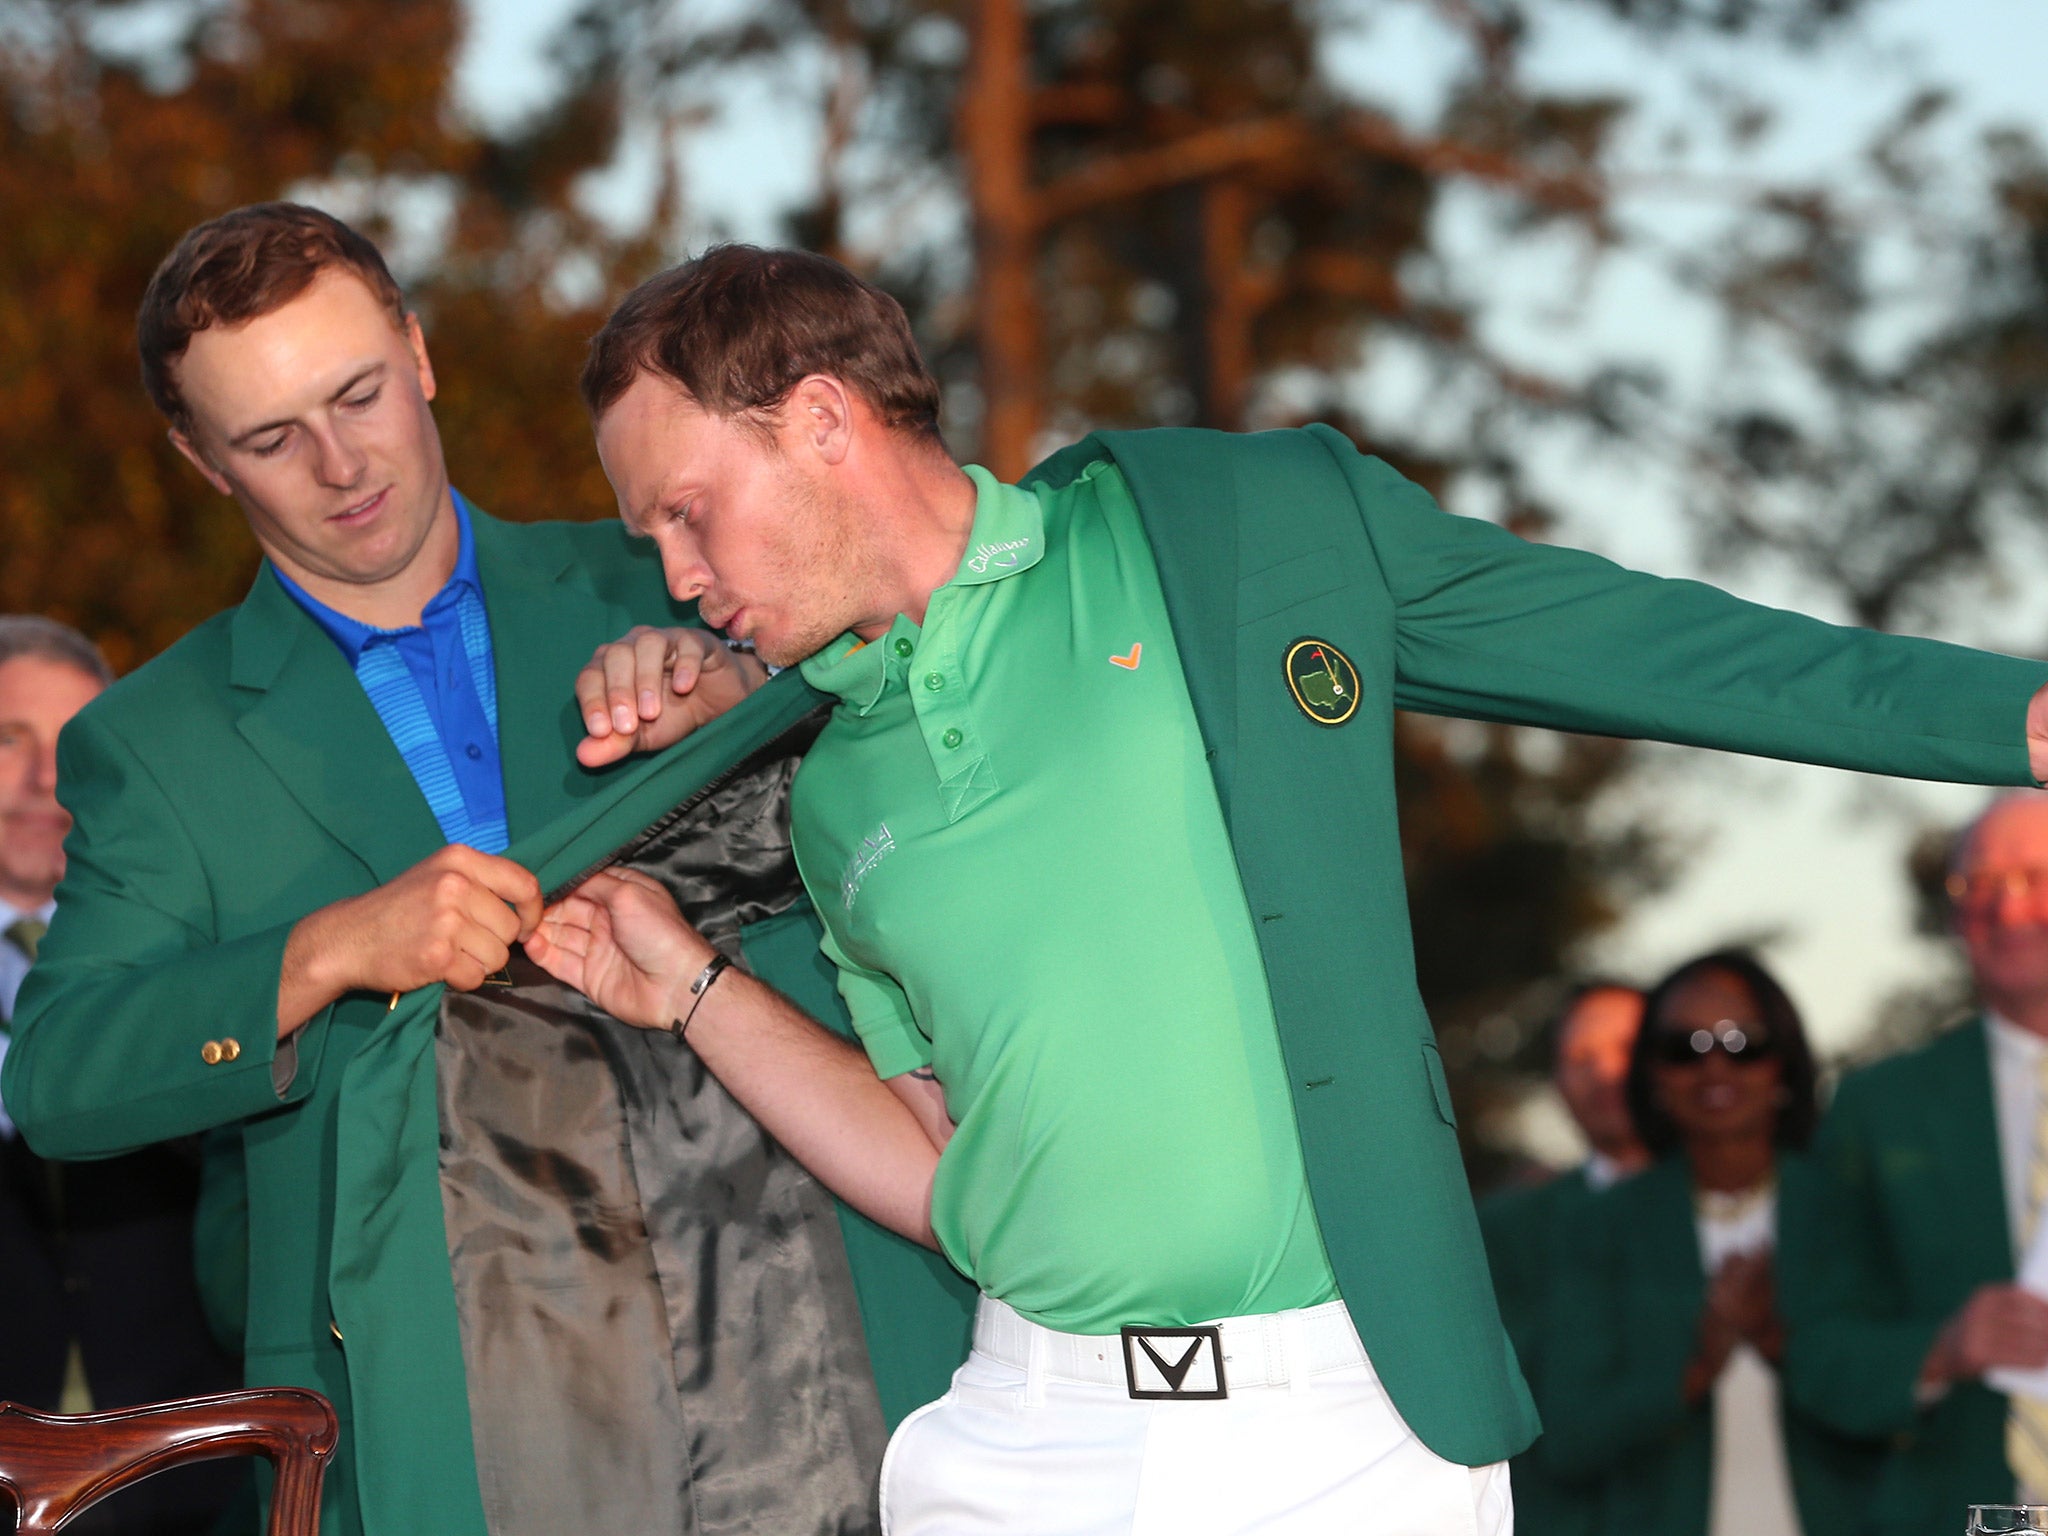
[10,913]
[1602,1171]
[352,635]
[2018,1048]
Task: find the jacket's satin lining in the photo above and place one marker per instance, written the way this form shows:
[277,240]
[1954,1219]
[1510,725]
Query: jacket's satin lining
[658,1322]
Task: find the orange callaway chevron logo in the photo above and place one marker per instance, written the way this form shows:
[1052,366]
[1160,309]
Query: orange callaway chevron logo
[1129,663]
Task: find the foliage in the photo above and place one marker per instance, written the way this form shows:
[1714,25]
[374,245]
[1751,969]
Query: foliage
[106,158]
[1884,421]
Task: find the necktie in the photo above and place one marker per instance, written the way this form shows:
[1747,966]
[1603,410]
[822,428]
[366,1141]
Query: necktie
[26,934]
[2026,1424]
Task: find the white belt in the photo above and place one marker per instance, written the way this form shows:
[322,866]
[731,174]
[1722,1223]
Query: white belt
[1263,1351]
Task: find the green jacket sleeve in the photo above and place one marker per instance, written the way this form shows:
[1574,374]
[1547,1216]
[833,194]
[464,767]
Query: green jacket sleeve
[1614,1365]
[1853,1349]
[131,982]
[1490,627]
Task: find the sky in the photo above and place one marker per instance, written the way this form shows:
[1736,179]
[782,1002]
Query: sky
[1813,857]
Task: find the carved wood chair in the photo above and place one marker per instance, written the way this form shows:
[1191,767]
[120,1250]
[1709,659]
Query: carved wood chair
[56,1465]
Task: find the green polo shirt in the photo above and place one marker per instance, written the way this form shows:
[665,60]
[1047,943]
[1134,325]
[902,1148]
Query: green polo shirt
[1011,834]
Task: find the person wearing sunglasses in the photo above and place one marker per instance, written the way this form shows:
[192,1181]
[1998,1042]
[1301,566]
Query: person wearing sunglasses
[1931,1171]
[1665,1370]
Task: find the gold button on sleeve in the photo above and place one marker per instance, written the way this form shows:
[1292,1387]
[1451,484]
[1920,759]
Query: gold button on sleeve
[230,1048]
[210,1053]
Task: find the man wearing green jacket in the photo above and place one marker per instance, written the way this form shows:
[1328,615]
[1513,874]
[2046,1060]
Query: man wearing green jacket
[1102,835]
[1932,1168]
[290,839]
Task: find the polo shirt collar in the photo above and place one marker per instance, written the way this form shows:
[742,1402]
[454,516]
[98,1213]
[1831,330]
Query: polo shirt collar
[354,636]
[1008,537]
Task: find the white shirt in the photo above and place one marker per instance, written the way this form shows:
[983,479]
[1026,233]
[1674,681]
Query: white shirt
[1752,1483]
[2016,1056]
[13,968]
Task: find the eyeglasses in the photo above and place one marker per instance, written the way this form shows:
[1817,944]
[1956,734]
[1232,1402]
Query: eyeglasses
[1688,1048]
[1983,889]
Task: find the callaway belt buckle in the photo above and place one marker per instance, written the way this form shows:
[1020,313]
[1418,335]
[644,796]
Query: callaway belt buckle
[1182,1365]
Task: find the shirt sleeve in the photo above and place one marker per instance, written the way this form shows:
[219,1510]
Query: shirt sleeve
[881,1015]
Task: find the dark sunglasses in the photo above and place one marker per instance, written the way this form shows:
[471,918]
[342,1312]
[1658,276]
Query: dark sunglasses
[1688,1048]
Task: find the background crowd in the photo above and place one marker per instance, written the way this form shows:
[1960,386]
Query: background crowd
[1742,1314]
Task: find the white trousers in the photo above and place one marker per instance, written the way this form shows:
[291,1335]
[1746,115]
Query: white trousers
[1040,1437]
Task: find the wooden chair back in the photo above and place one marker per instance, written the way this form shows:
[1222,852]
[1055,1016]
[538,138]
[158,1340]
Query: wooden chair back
[56,1465]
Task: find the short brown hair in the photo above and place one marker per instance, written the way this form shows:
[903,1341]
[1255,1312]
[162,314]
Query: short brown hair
[740,327]
[238,267]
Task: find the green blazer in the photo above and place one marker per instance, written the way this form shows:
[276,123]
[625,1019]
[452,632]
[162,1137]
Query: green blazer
[1626,1297]
[1904,1220]
[1266,539]
[223,791]
[1525,1230]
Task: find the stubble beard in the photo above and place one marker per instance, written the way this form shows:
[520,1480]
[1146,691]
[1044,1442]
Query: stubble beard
[829,572]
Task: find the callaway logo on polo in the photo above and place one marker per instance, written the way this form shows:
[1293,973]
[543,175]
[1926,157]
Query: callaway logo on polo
[874,848]
[1002,556]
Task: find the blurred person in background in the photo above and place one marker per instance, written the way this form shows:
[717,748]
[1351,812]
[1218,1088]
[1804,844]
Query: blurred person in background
[1593,1037]
[1662,1370]
[299,813]
[98,1304]
[1932,1171]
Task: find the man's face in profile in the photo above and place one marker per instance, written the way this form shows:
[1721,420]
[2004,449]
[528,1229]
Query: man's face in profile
[748,522]
[37,697]
[315,417]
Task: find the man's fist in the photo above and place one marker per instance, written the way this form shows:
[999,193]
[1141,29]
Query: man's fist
[653,687]
[2000,1325]
[452,917]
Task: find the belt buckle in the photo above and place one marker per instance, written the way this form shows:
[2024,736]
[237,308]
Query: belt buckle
[1189,1369]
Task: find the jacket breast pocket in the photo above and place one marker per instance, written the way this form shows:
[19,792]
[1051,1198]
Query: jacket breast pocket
[1300,580]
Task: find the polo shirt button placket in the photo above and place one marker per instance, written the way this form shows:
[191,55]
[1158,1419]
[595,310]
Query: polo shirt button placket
[952,738]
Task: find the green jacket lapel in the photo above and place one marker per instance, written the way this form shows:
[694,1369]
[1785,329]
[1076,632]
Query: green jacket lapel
[543,628]
[312,724]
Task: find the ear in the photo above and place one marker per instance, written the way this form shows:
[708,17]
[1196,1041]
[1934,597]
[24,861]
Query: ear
[416,339]
[819,417]
[200,462]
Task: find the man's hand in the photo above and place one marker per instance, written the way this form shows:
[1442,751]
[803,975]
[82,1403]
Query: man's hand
[452,917]
[2037,736]
[653,687]
[1742,1304]
[2000,1325]
[620,941]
